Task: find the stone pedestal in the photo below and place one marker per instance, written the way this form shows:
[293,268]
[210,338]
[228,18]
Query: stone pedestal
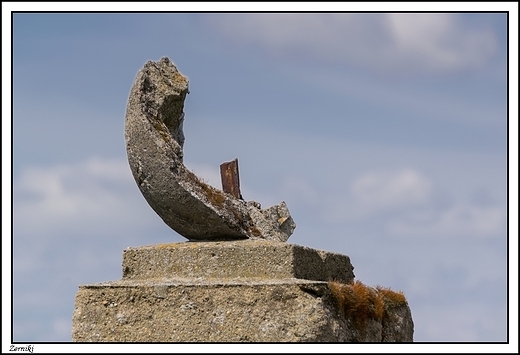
[233,291]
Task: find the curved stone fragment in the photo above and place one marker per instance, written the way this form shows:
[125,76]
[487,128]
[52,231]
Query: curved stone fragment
[154,142]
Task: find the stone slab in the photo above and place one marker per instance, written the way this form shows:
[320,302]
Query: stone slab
[165,311]
[245,259]
[204,313]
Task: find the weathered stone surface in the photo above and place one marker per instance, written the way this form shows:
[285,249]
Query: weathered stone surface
[398,325]
[154,141]
[165,299]
[287,310]
[373,314]
[239,260]
[292,311]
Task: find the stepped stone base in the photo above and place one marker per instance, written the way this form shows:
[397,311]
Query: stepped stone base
[240,291]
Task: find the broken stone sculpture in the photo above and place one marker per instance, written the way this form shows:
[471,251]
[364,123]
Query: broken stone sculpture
[154,142]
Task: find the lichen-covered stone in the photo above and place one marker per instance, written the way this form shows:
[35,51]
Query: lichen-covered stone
[154,141]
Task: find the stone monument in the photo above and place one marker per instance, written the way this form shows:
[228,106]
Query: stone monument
[236,279]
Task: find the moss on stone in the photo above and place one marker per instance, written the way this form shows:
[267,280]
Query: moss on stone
[361,303]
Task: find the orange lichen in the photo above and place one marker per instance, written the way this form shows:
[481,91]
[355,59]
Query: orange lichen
[214,195]
[391,298]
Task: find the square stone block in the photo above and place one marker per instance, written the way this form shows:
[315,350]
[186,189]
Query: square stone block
[245,259]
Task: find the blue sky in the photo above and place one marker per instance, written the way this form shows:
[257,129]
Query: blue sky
[386,134]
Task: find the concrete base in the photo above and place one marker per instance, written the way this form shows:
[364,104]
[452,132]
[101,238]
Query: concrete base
[240,291]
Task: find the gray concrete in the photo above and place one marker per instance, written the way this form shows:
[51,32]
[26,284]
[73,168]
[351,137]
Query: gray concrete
[246,259]
[168,312]
[241,291]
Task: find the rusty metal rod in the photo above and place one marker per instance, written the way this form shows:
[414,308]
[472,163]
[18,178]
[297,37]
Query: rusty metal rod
[230,178]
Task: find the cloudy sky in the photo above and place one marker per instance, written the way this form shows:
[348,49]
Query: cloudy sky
[385,133]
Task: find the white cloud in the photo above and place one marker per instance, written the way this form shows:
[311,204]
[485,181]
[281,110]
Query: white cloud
[388,42]
[375,195]
[461,220]
[439,41]
[405,203]
[93,194]
[73,206]
[376,191]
